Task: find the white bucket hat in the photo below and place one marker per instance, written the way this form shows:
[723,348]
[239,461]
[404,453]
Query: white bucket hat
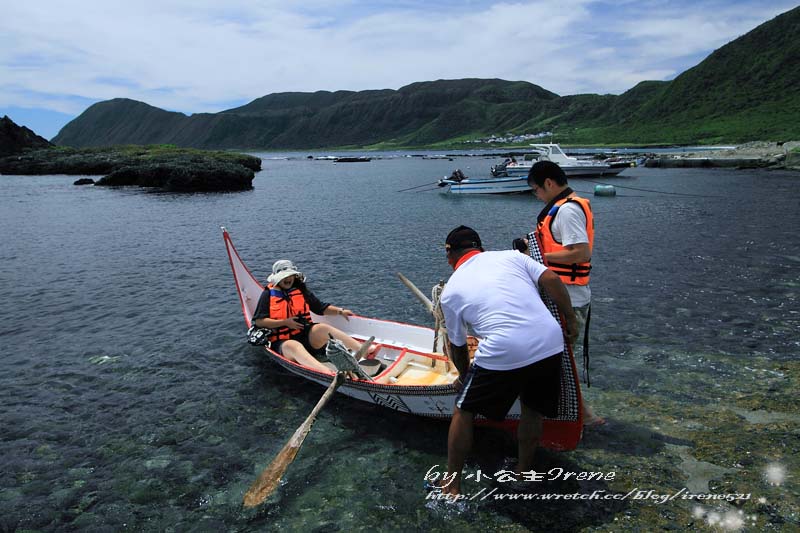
[283,269]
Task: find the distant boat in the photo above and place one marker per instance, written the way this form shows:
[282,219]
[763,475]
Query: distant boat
[572,166]
[458,183]
[361,159]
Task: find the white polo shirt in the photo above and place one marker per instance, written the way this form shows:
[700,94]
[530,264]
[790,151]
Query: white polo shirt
[496,294]
[569,227]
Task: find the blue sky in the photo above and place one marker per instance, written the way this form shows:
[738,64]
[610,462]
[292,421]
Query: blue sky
[58,58]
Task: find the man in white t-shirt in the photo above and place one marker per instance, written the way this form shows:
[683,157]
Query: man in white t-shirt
[496,294]
[565,228]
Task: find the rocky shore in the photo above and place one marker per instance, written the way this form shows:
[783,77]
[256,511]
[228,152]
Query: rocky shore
[757,154]
[165,167]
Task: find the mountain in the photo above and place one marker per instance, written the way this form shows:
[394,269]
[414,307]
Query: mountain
[15,139]
[745,90]
[742,91]
[420,113]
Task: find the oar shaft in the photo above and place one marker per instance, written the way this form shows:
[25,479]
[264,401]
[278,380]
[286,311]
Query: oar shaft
[270,478]
[418,293]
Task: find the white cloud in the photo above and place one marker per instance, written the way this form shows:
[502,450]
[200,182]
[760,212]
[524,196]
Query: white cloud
[203,56]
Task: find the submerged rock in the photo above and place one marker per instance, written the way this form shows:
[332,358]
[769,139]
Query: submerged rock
[83,181]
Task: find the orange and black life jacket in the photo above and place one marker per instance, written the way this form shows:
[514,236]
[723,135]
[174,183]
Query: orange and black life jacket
[283,305]
[574,273]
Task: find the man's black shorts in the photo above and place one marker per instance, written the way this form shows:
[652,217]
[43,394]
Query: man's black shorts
[491,393]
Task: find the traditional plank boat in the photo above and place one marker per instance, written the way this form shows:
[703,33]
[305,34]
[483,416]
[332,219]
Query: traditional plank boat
[415,379]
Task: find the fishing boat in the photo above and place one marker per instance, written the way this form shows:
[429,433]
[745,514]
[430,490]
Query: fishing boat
[495,185]
[360,159]
[415,378]
[572,166]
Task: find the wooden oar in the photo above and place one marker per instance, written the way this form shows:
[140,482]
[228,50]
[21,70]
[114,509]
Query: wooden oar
[418,293]
[439,326]
[270,478]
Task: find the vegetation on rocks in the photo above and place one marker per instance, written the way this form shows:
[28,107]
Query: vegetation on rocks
[164,166]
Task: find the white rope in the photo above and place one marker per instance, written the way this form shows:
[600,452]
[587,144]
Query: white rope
[440,335]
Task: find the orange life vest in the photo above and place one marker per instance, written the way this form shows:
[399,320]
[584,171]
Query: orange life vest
[575,273]
[283,305]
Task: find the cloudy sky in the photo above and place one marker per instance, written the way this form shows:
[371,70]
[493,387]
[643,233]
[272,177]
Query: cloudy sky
[57,58]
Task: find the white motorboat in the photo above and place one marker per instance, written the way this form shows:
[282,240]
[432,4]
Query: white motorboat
[496,185]
[572,166]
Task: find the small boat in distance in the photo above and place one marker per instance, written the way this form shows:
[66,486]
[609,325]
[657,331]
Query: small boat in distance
[458,183]
[360,159]
[413,378]
[572,166]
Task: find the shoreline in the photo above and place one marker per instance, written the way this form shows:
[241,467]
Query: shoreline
[758,154]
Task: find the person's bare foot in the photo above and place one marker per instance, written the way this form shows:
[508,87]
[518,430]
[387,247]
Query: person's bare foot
[590,419]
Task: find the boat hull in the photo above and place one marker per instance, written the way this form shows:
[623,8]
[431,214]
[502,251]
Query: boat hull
[572,171]
[502,185]
[560,434]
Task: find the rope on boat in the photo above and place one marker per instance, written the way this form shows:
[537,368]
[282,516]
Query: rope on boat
[440,329]
[419,186]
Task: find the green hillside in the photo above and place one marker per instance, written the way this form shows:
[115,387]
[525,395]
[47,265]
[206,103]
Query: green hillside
[743,91]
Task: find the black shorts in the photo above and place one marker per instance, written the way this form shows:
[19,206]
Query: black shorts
[302,338]
[491,393]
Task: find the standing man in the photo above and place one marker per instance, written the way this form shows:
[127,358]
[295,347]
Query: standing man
[519,354]
[566,234]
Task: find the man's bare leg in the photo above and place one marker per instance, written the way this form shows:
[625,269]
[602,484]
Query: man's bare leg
[529,433]
[459,443]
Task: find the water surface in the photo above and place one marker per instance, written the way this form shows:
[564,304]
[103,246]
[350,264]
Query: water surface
[130,401]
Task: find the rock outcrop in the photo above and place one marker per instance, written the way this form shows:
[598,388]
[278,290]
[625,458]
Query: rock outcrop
[207,177]
[165,167]
[16,139]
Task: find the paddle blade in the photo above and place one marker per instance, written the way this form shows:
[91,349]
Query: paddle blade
[270,478]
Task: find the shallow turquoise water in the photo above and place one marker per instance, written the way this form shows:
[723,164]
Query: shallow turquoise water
[129,400]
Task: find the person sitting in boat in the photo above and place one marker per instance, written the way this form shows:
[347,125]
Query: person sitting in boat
[285,307]
[457,175]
